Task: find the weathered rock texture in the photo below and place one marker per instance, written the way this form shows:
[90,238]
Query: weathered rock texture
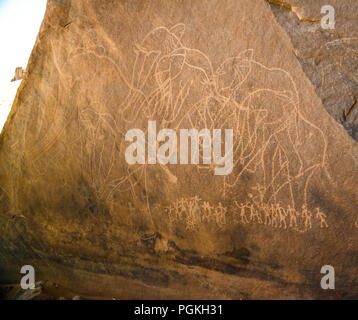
[74,209]
[19,74]
[328,57]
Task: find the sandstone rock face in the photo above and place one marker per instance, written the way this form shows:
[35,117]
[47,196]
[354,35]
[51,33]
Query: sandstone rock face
[19,74]
[72,207]
[328,57]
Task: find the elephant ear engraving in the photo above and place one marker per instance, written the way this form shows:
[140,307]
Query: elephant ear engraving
[247,54]
[178,30]
[233,71]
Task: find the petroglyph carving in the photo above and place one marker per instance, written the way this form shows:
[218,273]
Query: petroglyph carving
[179,87]
[193,212]
[279,217]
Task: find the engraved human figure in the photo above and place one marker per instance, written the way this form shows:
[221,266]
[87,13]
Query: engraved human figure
[293,217]
[193,212]
[197,209]
[282,215]
[243,216]
[320,215]
[254,214]
[220,214]
[274,216]
[307,216]
[267,216]
[179,209]
[207,211]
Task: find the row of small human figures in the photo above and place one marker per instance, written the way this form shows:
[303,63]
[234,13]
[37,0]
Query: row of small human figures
[278,217]
[196,211]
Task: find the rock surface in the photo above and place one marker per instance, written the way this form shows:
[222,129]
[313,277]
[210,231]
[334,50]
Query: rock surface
[328,57]
[73,208]
[19,74]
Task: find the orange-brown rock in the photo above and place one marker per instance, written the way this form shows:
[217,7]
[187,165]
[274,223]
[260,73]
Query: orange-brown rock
[72,207]
[19,74]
